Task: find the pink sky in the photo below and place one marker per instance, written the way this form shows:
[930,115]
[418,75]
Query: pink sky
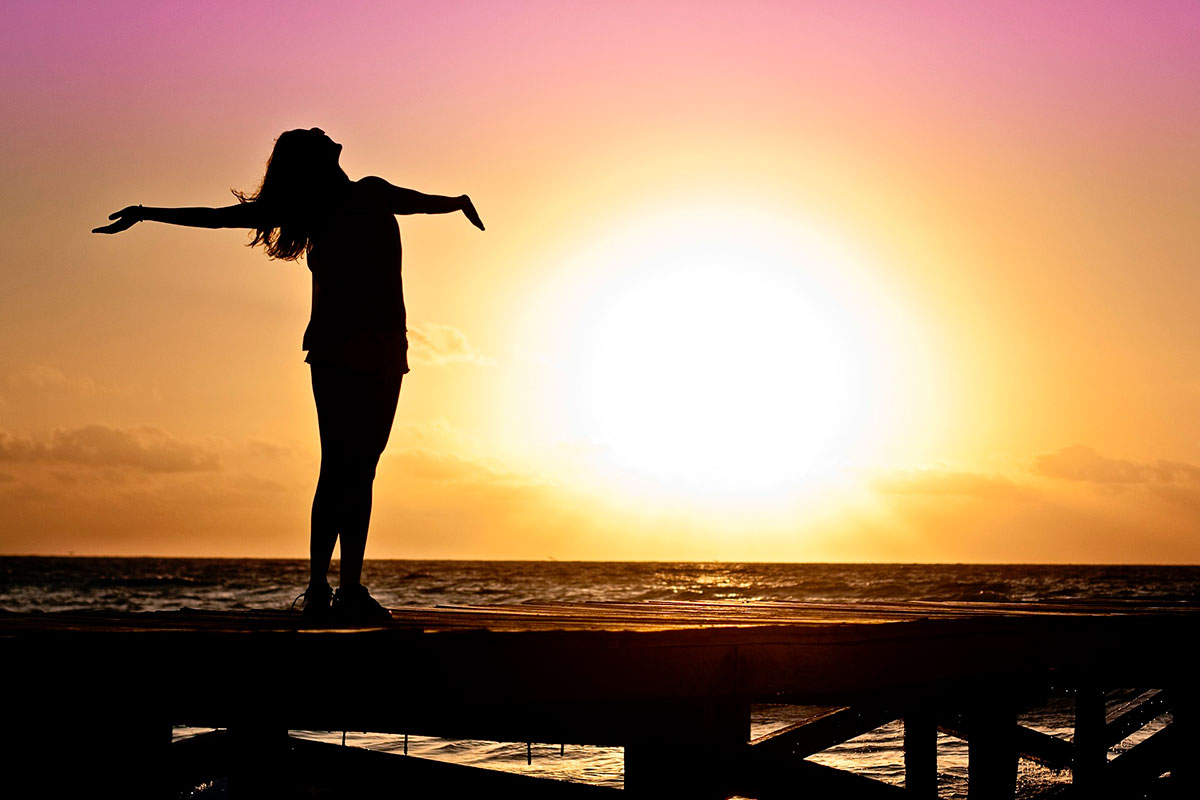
[1025,175]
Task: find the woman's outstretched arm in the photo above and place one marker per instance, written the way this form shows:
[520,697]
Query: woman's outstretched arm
[408,201]
[242,215]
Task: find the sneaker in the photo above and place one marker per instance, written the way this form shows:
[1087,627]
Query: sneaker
[354,605]
[315,604]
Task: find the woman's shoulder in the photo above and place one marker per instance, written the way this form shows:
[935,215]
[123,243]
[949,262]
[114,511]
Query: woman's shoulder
[371,192]
[372,184]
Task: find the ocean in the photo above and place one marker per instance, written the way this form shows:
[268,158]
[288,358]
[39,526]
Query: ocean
[153,584]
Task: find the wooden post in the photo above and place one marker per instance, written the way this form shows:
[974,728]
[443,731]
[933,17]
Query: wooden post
[920,754]
[991,749]
[1090,753]
[692,753]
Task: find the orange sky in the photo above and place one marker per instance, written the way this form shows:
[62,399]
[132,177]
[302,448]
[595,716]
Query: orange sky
[761,281]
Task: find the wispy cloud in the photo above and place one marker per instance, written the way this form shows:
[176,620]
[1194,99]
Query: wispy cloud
[947,482]
[456,469]
[144,448]
[1082,463]
[269,449]
[44,378]
[436,344]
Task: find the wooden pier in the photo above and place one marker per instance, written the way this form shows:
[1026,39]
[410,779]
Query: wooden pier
[600,674]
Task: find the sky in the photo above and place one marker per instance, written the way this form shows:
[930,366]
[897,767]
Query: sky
[766,281]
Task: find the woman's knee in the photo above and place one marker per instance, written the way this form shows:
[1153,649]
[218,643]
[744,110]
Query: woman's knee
[339,469]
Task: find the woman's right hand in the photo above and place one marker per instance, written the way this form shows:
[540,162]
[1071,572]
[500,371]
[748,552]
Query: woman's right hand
[125,219]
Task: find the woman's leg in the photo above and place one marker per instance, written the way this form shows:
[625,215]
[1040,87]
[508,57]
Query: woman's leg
[355,411]
[324,529]
[331,405]
[377,413]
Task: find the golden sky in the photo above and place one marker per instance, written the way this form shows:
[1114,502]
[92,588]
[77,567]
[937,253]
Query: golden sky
[761,281]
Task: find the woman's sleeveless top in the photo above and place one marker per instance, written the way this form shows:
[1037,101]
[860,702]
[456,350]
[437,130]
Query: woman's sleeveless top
[358,317]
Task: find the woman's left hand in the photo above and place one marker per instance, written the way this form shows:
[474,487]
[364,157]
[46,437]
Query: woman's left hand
[471,213]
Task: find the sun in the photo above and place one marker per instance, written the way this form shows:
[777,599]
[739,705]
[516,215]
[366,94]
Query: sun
[715,354]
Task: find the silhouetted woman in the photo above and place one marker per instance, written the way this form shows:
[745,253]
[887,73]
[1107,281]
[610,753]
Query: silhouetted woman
[356,343]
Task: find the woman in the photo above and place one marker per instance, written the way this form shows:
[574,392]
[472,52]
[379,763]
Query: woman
[356,343]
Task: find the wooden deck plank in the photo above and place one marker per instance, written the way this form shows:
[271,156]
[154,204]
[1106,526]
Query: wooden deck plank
[651,615]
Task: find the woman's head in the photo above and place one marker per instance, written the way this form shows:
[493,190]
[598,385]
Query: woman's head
[304,154]
[301,173]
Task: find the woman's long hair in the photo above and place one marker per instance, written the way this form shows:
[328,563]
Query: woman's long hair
[295,186]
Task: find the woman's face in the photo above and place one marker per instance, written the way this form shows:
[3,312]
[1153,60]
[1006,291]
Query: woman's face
[325,145]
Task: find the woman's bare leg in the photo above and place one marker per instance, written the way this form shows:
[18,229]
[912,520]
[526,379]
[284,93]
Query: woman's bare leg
[355,521]
[379,414]
[324,530]
[355,412]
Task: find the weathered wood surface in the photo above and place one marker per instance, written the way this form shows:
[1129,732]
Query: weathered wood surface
[632,616]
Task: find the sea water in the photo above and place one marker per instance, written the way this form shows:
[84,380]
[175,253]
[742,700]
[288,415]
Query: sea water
[154,584]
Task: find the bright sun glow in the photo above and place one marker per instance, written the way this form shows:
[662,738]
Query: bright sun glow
[718,356]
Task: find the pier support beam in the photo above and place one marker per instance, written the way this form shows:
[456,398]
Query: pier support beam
[920,755]
[991,749]
[692,754]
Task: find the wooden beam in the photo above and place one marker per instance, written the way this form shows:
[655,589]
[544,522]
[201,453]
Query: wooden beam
[1134,716]
[824,731]
[1143,763]
[1042,748]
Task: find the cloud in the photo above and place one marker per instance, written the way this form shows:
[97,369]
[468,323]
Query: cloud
[45,378]
[435,344]
[947,482]
[268,449]
[451,468]
[1081,463]
[1069,505]
[144,448]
